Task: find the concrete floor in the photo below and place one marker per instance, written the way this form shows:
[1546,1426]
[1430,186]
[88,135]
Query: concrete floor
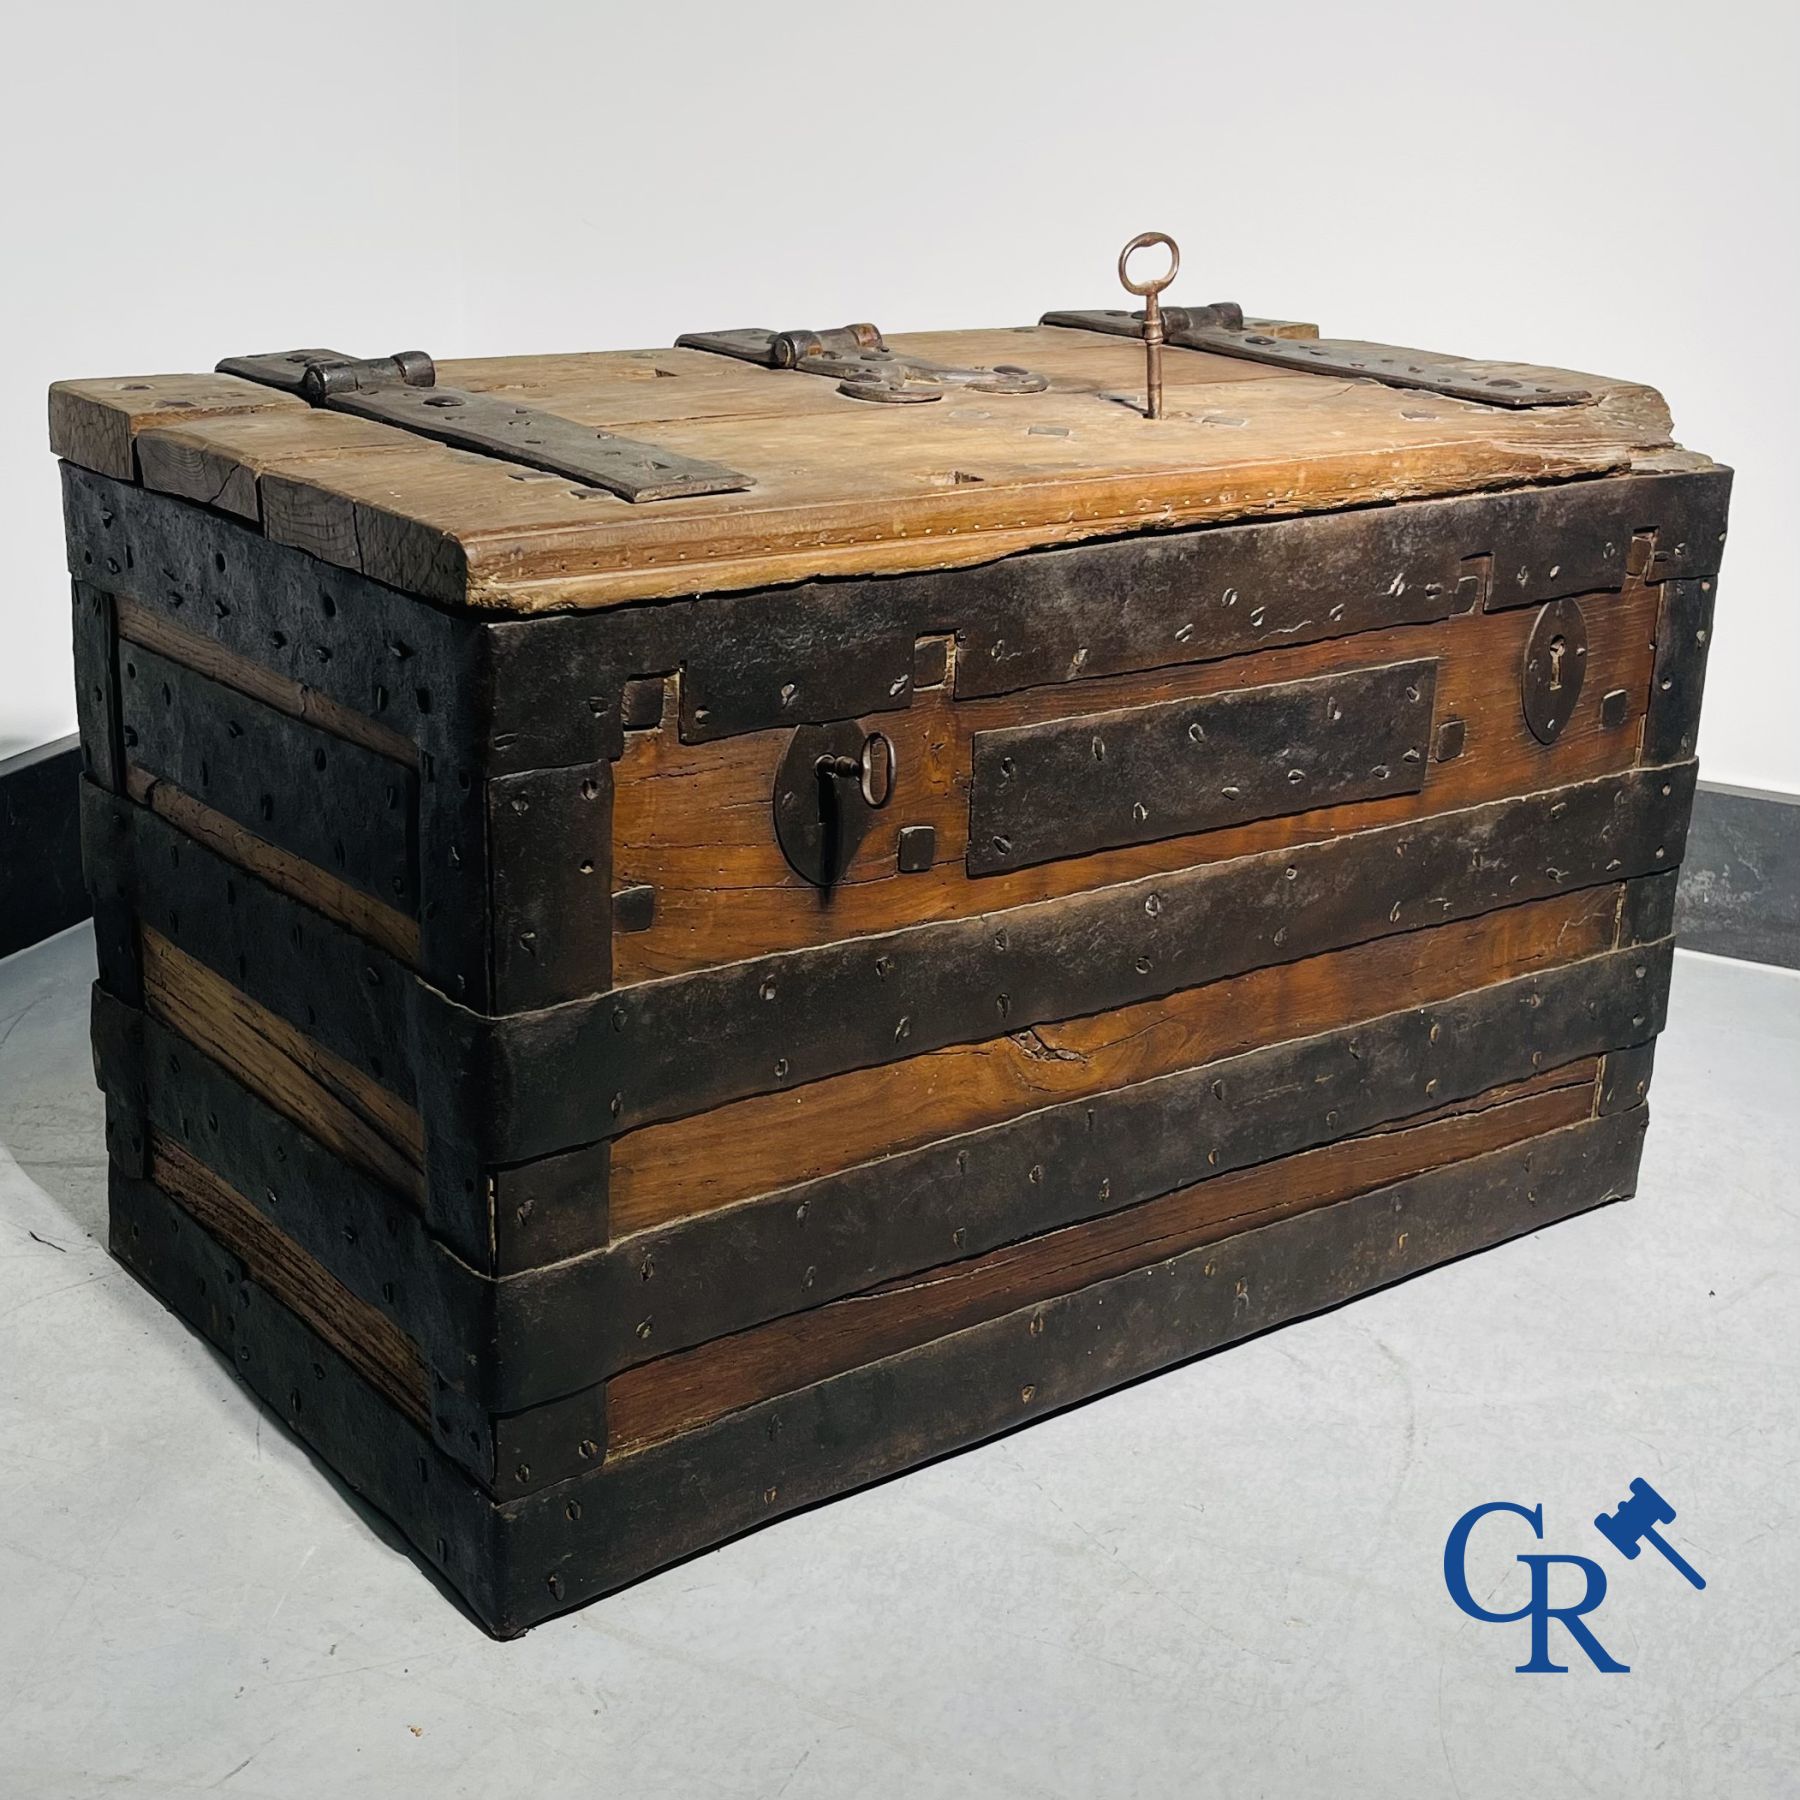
[1223,1581]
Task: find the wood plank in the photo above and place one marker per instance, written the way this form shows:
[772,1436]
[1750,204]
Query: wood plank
[693,821]
[323,798]
[613,389]
[394,931]
[372,1344]
[620,1519]
[858,492]
[141,624]
[220,461]
[93,423]
[687,1390]
[695,1165]
[639,387]
[341,1107]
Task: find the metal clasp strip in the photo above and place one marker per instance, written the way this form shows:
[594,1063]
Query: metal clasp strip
[402,390]
[858,359]
[1220,328]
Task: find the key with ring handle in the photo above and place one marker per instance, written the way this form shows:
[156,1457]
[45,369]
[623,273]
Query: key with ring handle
[873,775]
[831,783]
[1150,292]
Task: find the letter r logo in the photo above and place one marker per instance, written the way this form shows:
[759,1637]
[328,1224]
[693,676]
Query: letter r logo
[1538,1608]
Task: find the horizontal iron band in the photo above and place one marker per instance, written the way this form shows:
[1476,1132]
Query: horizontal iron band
[527,1085]
[518,1341]
[685,1043]
[528,1559]
[403,392]
[1457,378]
[827,650]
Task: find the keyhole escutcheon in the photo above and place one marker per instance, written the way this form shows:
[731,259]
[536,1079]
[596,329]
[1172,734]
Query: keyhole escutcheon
[1555,664]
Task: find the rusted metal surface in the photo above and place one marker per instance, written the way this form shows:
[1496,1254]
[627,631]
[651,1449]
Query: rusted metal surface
[829,786]
[1150,292]
[858,359]
[918,848]
[342,807]
[402,391]
[528,1558]
[1220,329]
[1683,641]
[1097,780]
[1554,668]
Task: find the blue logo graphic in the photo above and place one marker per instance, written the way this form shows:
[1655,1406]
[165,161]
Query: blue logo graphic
[1637,1519]
[1627,1528]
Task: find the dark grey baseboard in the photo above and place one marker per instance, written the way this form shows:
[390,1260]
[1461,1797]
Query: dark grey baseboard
[1739,893]
[41,891]
[1740,880]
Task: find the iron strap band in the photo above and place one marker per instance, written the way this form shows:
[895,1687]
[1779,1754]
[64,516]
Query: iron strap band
[402,391]
[1220,329]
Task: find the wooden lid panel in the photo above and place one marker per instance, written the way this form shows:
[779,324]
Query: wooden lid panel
[879,489]
[94,423]
[841,486]
[624,388]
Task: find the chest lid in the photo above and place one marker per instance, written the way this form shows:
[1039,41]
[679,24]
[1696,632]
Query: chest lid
[746,457]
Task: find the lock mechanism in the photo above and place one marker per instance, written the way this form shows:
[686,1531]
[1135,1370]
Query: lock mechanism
[832,782]
[858,359]
[1555,665]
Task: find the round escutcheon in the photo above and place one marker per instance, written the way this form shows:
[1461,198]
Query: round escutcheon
[832,780]
[1555,665]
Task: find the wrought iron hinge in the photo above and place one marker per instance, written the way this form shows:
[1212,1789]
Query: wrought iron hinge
[402,390]
[1220,328]
[858,359]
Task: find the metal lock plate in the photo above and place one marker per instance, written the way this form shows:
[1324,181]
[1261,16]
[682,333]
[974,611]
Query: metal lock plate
[832,782]
[858,359]
[1555,666]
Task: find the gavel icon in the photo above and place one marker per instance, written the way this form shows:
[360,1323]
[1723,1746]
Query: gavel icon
[1633,1524]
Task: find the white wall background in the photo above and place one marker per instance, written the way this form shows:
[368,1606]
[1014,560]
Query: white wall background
[1606,187]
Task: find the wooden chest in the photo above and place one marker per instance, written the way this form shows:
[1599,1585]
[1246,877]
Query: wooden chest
[677,935]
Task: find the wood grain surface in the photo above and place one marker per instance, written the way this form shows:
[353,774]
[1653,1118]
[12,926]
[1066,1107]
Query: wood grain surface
[694,821]
[841,486]
[346,1111]
[678,1393]
[394,931]
[689,1166]
[372,1343]
[96,423]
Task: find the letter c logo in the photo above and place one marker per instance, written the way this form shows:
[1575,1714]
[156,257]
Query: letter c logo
[1456,1549]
